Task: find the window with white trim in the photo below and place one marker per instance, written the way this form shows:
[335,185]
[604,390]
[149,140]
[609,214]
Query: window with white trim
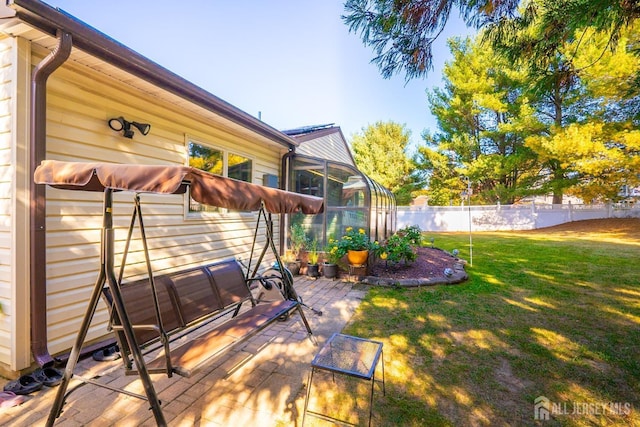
[218,162]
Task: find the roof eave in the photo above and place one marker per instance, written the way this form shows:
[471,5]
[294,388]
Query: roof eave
[88,39]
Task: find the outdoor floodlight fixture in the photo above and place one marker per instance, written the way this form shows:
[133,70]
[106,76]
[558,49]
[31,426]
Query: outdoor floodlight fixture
[119,124]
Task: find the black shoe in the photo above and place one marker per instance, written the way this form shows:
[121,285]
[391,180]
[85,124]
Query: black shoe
[107,354]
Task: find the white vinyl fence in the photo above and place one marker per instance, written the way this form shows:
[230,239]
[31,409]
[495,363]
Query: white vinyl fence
[509,217]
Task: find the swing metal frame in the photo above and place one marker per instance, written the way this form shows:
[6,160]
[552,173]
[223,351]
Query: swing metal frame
[68,175]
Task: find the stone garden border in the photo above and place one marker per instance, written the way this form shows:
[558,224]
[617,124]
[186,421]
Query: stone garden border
[459,275]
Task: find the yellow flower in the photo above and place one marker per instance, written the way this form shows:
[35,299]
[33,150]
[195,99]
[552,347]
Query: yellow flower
[361,230]
[349,229]
[383,255]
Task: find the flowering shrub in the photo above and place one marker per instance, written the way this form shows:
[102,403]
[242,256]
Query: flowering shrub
[355,240]
[400,246]
[331,251]
[397,248]
[412,233]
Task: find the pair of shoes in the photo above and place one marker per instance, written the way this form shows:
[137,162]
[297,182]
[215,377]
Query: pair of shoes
[50,377]
[107,354]
[24,385]
[9,399]
[29,383]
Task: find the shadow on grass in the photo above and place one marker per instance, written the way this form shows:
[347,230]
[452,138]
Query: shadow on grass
[554,317]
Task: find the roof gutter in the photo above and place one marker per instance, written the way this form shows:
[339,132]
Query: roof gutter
[98,44]
[37,153]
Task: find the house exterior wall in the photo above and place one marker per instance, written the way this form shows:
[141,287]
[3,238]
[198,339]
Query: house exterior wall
[7,195]
[14,203]
[79,103]
[328,147]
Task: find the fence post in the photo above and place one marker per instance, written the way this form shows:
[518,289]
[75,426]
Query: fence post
[570,211]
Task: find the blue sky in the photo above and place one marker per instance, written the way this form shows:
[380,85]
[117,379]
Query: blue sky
[292,61]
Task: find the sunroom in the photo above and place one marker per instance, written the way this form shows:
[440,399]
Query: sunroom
[323,166]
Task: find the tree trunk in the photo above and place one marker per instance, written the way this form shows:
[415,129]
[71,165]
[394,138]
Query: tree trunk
[558,174]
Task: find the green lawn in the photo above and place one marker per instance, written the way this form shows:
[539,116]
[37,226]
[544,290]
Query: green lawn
[553,314]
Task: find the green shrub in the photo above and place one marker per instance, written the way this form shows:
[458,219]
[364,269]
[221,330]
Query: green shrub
[412,233]
[400,247]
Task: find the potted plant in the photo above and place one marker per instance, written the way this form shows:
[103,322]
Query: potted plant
[291,262]
[312,267]
[356,245]
[330,265]
[298,240]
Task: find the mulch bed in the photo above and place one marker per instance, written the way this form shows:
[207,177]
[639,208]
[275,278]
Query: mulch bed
[428,269]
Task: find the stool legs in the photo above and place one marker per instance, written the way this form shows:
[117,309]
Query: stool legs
[306,401]
[373,381]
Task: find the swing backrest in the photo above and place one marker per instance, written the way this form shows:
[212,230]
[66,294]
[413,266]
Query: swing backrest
[138,302]
[184,298]
[228,279]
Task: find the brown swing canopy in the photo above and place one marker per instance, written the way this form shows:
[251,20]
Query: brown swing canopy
[206,188]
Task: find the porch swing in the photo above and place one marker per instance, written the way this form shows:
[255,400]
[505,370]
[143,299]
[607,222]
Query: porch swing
[184,300]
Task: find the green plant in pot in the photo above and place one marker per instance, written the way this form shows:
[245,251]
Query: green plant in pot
[312,267]
[298,241]
[333,255]
[291,262]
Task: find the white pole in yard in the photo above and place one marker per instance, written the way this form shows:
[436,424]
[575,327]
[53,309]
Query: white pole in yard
[470,238]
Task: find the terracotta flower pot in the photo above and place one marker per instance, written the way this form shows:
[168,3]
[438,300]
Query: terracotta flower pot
[357,257]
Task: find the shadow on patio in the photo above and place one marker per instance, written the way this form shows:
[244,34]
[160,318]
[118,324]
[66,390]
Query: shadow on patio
[258,383]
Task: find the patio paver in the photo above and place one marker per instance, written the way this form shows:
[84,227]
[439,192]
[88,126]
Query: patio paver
[258,383]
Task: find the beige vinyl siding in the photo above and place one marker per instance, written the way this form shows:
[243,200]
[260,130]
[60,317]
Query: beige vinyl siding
[6,204]
[14,206]
[79,102]
[329,147]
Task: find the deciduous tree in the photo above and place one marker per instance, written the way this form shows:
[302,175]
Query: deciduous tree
[590,145]
[381,152]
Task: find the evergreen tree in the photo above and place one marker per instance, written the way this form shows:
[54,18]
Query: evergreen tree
[483,119]
[590,144]
[402,32]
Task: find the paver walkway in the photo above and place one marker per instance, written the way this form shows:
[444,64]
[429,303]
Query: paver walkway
[258,383]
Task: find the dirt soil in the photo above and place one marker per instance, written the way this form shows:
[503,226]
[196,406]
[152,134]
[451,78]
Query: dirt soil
[431,262]
[628,228]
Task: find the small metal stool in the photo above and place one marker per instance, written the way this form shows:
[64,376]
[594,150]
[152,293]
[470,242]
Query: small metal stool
[348,355]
